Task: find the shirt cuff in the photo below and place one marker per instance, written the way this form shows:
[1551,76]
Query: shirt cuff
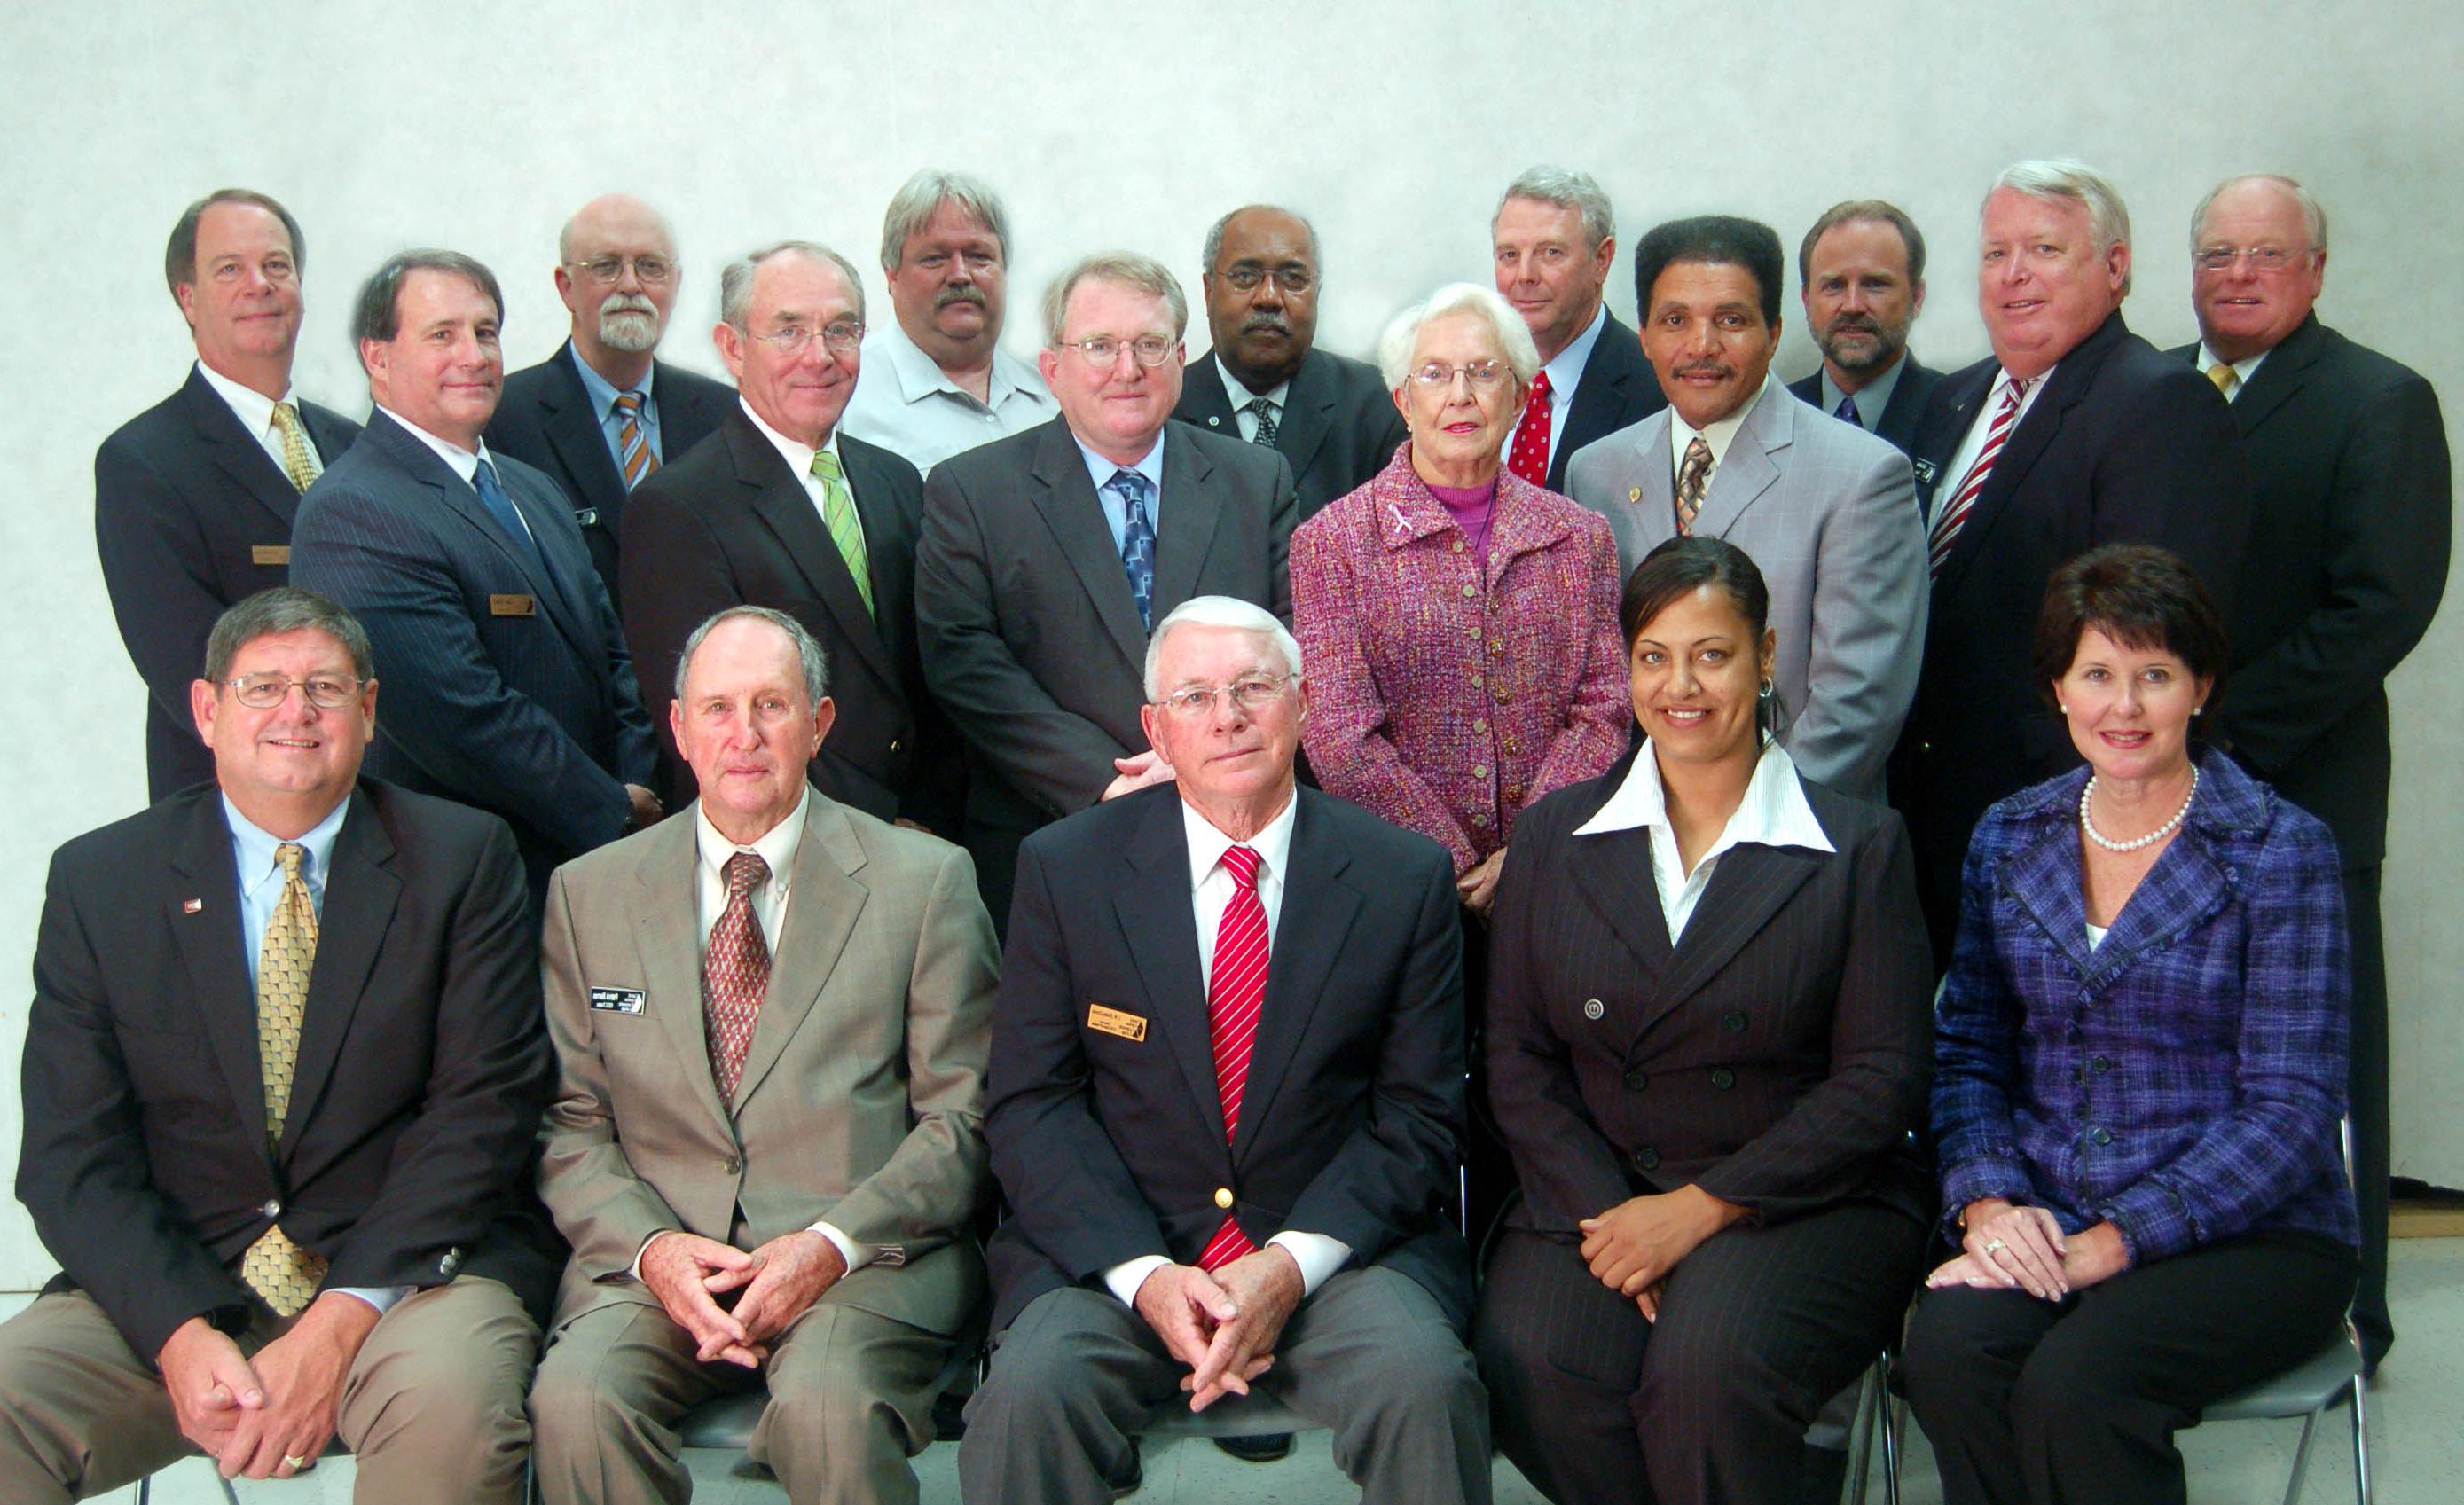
[1124,1278]
[380,1296]
[1317,1255]
[634,1272]
[857,1256]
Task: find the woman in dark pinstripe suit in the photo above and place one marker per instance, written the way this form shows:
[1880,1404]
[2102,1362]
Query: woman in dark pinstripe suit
[1708,1042]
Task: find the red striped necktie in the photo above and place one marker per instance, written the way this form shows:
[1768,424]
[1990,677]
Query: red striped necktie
[1235,993]
[1948,522]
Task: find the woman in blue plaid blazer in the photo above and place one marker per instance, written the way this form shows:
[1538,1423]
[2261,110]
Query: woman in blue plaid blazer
[2139,1072]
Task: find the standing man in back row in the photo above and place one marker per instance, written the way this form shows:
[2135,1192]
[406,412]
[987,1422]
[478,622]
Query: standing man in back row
[1860,275]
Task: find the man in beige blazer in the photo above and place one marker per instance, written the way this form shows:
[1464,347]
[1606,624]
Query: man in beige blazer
[770,1016]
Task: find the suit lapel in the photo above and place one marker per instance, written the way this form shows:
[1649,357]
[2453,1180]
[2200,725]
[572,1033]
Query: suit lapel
[667,930]
[1309,413]
[1317,911]
[1185,530]
[210,947]
[1900,413]
[238,454]
[1747,888]
[779,501]
[2284,372]
[1154,910]
[1651,494]
[2043,877]
[1064,496]
[2035,433]
[1940,445]
[1204,401]
[425,466]
[824,899]
[574,434]
[1747,470]
[1619,883]
[361,892]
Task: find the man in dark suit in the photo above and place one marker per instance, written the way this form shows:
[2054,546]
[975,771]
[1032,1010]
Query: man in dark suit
[1860,275]
[511,690]
[1550,243]
[285,1066]
[1265,380]
[2347,560]
[779,509]
[2073,432]
[1225,1095]
[1045,556]
[602,414]
[193,497]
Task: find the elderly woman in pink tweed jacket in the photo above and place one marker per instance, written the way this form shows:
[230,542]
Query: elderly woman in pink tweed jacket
[1459,623]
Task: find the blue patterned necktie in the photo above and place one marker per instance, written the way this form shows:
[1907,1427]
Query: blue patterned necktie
[500,506]
[1137,541]
[1847,413]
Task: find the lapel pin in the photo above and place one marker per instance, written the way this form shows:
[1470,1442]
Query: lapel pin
[1634,494]
[192,905]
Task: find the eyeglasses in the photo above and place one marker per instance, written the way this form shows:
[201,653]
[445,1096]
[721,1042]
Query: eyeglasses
[607,270]
[1253,693]
[2262,259]
[1103,350]
[840,337]
[265,691]
[1295,280]
[1479,374]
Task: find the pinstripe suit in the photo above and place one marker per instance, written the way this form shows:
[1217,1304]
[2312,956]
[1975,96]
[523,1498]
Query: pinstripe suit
[505,688]
[1777,1056]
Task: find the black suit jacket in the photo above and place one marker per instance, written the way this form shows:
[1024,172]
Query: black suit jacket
[1618,388]
[1899,425]
[422,1066]
[2347,560]
[1338,429]
[1777,1056]
[2124,443]
[504,687]
[729,525]
[543,419]
[1109,1148]
[191,516]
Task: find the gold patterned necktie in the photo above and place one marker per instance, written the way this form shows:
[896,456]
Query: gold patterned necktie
[299,460]
[276,1269]
[2228,380]
[1692,482]
[838,514]
[735,974]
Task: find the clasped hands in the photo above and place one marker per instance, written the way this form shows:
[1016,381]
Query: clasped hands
[2008,1247]
[1224,1325]
[269,1417]
[777,1283]
[1633,1245]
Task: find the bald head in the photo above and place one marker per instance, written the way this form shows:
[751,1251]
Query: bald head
[617,273]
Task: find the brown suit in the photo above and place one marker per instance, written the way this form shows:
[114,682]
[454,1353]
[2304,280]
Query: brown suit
[860,1104]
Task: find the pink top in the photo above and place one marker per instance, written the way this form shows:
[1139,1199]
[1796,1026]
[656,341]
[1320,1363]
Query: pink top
[1471,506]
[1448,690]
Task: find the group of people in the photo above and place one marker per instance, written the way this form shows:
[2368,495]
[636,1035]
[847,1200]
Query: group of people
[1422,888]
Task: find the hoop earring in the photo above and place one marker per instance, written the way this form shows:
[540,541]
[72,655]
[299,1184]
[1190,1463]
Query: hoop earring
[1768,690]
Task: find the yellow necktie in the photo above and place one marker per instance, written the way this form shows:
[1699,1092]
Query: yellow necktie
[2228,380]
[299,460]
[838,514]
[273,1267]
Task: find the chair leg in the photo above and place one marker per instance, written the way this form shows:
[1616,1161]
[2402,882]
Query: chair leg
[231,1491]
[2300,1460]
[146,1491]
[1894,1418]
[2360,1442]
[1860,1429]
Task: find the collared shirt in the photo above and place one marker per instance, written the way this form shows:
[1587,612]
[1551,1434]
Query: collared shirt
[1873,399]
[1241,397]
[2243,369]
[1564,374]
[255,412]
[1717,434]
[1773,813]
[464,462]
[1116,511]
[1210,891]
[903,403]
[260,889]
[799,460]
[1964,459]
[611,423]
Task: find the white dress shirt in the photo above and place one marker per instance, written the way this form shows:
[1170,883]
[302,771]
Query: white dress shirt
[1241,397]
[800,461]
[1963,460]
[2243,369]
[1564,374]
[1773,813]
[255,413]
[1210,889]
[1717,434]
[464,462]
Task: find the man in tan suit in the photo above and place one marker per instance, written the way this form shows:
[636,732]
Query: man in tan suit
[770,1016]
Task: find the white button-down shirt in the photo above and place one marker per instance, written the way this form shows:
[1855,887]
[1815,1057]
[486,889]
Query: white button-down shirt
[799,460]
[1773,813]
[255,412]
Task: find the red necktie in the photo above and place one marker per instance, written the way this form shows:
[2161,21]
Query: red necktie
[1529,457]
[734,971]
[1234,994]
[1948,522]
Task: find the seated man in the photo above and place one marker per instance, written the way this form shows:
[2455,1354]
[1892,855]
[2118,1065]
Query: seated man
[282,1072]
[1240,1180]
[764,1170]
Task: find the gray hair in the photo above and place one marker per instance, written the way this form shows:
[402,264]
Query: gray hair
[735,278]
[378,314]
[1219,611]
[912,206]
[180,253]
[1214,246]
[2314,215]
[1126,268]
[1566,190]
[808,652]
[284,608]
[2069,179]
[1514,335]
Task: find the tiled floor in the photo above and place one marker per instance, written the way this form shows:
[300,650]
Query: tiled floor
[2416,1439]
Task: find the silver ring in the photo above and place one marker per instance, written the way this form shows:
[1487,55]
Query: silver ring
[290,1462]
[1995,1247]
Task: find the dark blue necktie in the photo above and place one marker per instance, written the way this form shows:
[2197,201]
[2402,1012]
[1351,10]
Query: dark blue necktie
[1137,541]
[500,506]
[1847,413]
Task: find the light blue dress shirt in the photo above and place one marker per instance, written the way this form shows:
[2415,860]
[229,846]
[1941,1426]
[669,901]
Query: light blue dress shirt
[611,423]
[1116,511]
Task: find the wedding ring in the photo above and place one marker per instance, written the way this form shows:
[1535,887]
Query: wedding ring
[1995,1248]
[290,1462]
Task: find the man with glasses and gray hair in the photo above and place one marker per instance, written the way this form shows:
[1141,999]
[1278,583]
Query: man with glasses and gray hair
[1048,555]
[602,414]
[782,508]
[940,381]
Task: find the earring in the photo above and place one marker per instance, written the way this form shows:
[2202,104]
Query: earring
[2197,710]
[1768,690]
[2063,707]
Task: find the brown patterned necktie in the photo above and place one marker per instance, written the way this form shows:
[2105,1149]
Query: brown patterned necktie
[1692,482]
[640,464]
[273,1267]
[734,971]
[299,460]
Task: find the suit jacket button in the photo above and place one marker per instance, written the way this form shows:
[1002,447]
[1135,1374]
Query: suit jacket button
[1223,1198]
[272,1208]
[732,1166]
[2103,1136]
[1733,1021]
[893,744]
[1647,1158]
[1723,1078]
[1593,1007]
[1636,1080]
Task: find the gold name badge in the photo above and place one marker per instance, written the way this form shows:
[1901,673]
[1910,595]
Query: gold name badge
[1112,1021]
[513,605]
[269,553]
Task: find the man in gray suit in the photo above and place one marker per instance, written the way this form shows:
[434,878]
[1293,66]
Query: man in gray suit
[1826,509]
[1048,555]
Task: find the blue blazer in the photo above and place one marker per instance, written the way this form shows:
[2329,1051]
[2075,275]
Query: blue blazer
[2185,1079]
[505,688]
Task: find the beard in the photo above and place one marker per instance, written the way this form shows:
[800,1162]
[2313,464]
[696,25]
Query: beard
[629,322]
[1864,347]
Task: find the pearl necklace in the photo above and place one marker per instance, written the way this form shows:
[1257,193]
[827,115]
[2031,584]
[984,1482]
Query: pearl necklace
[2088,825]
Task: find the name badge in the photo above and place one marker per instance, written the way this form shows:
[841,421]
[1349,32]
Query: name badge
[617,1000]
[1113,1021]
[269,553]
[510,605]
[1926,470]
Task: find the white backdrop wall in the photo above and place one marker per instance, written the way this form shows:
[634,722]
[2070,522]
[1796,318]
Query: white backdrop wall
[1394,124]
